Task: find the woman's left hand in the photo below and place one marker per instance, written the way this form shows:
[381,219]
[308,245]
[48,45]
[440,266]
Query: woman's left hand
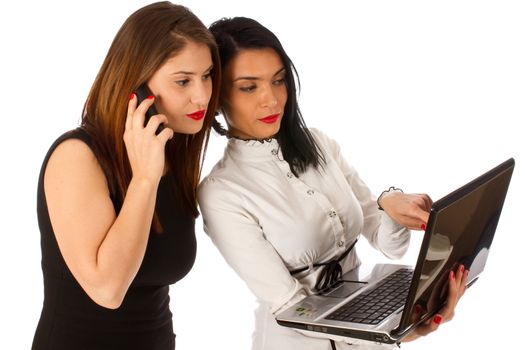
[409,210]
[457,284]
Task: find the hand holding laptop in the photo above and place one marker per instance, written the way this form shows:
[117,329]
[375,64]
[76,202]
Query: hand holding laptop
[457,285]
[412,211]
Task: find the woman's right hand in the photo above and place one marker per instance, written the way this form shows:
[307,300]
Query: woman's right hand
[409,210]
[146,150]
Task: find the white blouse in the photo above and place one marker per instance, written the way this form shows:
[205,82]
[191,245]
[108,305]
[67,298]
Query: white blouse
[267,222]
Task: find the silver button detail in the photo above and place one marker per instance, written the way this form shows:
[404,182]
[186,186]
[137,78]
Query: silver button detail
[274,152]
[340,243]
[289,175]
[310,192]
[332,214]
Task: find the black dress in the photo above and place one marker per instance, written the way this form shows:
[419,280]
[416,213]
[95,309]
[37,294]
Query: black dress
[71,320]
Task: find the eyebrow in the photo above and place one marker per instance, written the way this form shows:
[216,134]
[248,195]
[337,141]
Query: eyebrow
[190,73]
[256,78]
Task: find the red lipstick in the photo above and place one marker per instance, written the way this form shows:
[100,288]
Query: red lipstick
[270,119]
[197,115]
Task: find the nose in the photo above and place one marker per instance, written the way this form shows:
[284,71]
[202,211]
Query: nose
[268,98]
[201,94]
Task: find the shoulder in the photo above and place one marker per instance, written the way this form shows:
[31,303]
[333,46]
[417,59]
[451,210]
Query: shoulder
[218,186]
[72,145]
[224,187]
[72,152]
[326,143]
[72,161]
[224,173]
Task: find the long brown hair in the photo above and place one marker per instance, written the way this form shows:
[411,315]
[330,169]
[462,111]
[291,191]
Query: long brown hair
[148,38]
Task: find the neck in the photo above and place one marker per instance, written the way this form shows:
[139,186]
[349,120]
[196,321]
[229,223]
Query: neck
[269,139]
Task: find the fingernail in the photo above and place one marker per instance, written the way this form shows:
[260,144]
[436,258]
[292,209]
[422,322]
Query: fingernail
[131,96]
[150,97]
[437,319]
[462,268]
[423,226]
[418,309]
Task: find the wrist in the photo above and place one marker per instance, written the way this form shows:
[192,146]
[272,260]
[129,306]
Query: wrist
[385,192]
[144,183]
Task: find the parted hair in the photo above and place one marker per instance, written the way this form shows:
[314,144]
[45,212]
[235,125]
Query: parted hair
[297,143]
[146,40]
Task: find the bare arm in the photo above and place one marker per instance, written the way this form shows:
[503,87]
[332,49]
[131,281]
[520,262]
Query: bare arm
[104,251]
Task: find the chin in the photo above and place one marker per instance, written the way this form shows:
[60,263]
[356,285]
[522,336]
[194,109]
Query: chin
[188,129]
[268,134]
[192,131]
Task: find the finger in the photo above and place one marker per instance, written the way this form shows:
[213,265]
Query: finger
[132,105]
[140,112]
[165,135]
[447,311]
[421,214]
[418,219]
[431,326]
[462,277]
[155,121]
[427,200]
[463,286]
[459,274]
[411,222]
[452,298]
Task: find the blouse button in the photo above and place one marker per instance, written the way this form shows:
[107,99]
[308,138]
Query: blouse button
[340,243]
[289,175]
[274,152]
[332,214]
[310,192]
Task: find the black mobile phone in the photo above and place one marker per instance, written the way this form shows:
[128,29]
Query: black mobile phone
[142,93]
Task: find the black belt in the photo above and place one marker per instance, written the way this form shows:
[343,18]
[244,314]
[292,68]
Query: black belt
[331,272]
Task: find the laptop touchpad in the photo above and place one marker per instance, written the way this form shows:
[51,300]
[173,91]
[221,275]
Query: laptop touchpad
[344,289]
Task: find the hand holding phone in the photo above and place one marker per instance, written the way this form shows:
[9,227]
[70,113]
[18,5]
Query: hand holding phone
[142,93]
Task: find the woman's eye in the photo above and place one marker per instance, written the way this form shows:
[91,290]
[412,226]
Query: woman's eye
[279,81]
[206,76]
[183,82]
[248,88]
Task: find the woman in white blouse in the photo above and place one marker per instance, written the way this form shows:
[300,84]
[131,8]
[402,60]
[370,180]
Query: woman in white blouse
[283,199]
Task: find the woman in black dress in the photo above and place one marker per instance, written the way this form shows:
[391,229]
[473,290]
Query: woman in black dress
[117,198]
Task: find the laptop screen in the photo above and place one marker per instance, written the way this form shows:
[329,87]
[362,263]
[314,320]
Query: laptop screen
[460,231]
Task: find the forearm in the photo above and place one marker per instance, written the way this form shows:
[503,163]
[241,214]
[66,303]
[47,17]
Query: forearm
[391,238]
[120,254]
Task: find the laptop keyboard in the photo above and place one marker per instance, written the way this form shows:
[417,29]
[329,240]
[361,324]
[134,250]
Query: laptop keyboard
[373,306]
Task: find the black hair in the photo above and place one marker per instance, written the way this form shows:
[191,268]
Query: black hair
[297,144]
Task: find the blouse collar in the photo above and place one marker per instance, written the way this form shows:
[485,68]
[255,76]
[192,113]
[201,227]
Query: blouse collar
[253,150]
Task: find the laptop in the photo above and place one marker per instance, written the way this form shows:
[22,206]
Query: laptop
[381,306]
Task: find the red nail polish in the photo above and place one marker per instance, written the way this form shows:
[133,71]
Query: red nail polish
[418,309]
[462,268]
[131,96]
[438,319]
[150,97]
[423,226]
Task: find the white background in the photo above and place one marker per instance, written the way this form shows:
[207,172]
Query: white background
[421,95]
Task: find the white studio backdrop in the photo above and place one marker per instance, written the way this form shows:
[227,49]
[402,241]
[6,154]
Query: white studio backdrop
[421,95]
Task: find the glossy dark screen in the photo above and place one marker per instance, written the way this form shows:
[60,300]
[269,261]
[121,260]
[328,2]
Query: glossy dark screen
[460,231]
